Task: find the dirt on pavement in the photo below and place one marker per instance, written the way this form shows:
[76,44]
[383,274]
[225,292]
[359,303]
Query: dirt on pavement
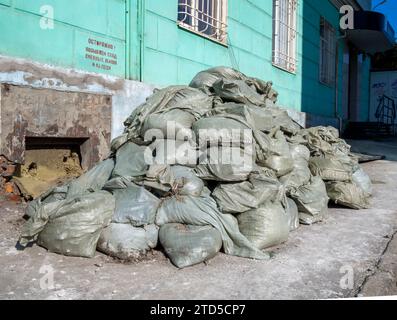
[46,168]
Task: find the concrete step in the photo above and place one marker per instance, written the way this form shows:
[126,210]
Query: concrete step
[368,130]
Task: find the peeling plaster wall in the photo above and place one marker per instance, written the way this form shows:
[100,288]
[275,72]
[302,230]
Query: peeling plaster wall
[126,94]
[45,113]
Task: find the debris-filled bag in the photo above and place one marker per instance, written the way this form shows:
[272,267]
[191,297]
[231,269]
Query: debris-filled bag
[186,181]
[280,165]
[226,164]
[216,130]
[135,205]
[312,201]
[251,116]
[275,153]
[361,179]
[205,80]
[124,241]
[237,198]
[183,98]
[348,195]
[52,195]
[93,180]
[284,121]
[187,245]
[71,227]
[293,214]
[299,152]
[202,211]
[267,226]
[174,152]
[330,168]
[159,178]
[324,140]
[212,166]
[174,124]
[237,91]
[130,161]
[299,176]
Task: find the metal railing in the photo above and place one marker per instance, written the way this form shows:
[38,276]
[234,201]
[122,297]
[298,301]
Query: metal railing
[386,113]
[207,17]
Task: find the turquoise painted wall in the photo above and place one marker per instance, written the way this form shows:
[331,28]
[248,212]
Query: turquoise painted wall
[140,39]
[318,98]
[87,35]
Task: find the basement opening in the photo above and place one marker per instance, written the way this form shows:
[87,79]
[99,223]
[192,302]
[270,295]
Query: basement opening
[48,162]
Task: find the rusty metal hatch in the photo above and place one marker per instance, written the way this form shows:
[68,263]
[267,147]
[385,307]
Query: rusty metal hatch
[27,112]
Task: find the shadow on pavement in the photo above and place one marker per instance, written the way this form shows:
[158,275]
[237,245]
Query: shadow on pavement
[385,147]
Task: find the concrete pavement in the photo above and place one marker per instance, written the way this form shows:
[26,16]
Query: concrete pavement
[349,254]
[386,147]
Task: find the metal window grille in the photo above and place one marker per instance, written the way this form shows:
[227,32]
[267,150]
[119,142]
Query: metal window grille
[206,17]
[327,52]
[284,34]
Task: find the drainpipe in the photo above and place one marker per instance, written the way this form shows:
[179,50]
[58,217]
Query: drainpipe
[369,86]
[141,29]
[134,42]
[336,111]
[128,39]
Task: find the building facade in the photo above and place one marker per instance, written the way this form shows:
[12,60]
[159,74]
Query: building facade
[125,48]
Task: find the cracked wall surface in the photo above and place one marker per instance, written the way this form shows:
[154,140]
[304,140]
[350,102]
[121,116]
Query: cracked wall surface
[126,94]
[30,112]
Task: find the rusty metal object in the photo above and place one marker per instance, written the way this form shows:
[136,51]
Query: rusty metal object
[7,170]
[9,188]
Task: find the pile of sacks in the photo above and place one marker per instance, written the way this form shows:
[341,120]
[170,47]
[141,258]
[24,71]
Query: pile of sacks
[201,168]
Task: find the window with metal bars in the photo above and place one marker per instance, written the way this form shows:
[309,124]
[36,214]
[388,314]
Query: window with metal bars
[284,34]
[327,52]
[205,17]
